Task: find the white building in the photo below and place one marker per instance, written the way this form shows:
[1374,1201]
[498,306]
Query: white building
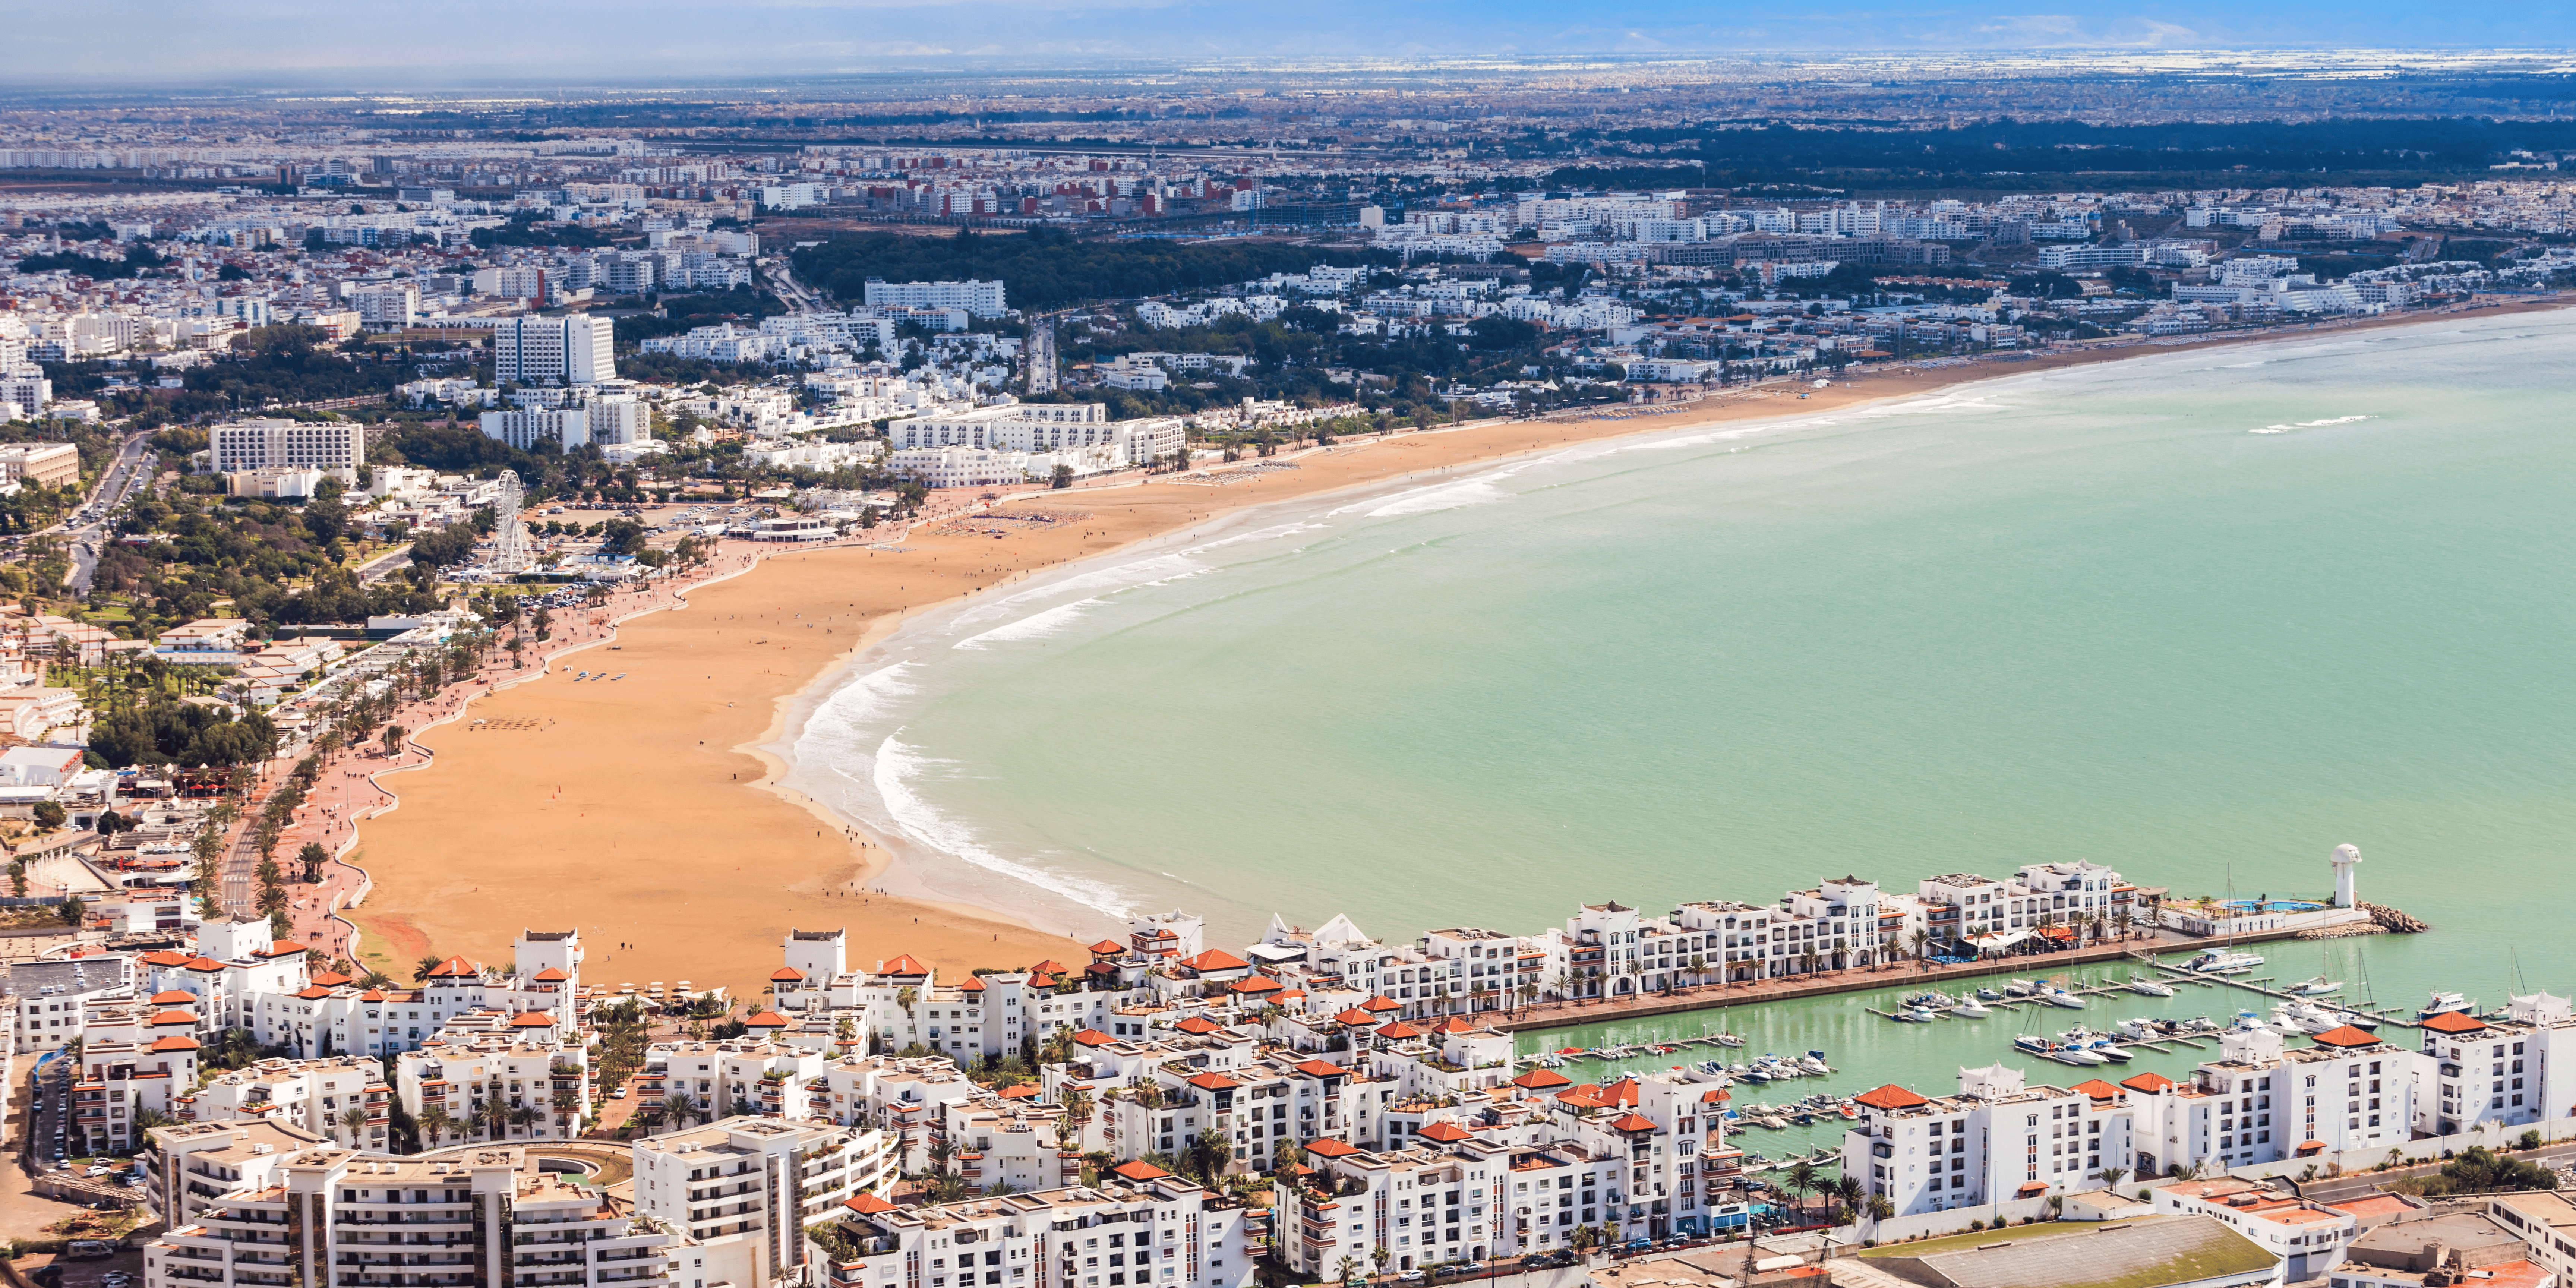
[575,350]
[983,299]
[1140,1227]
[1998,1139]
[288,444]
[565,427]
[491,1217]
[342,1098]
[744,1189]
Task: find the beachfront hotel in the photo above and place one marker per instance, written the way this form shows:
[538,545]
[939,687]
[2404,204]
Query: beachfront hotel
[743,1189]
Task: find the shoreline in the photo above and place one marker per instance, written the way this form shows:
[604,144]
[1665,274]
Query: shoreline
[860,862]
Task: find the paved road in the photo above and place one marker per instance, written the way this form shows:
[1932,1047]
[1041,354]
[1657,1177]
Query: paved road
[88,527]
[1042,360]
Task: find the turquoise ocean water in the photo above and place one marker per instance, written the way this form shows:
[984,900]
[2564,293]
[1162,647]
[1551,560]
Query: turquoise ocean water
[2200,616]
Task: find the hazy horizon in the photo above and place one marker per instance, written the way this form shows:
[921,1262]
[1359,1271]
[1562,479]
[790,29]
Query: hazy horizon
[478,43]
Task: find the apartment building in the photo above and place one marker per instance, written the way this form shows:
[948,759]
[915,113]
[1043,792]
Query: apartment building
[573,350]
[983,299]
[192,1166]
[900,1003]
[496,1087]
[1998,1139]
[287,444]
[343,1098]
[524,428]
[744,1189]
[2477,1072]
[2260,1102]
[489,1217]
[45,464]
[54,998]
[1140,1227]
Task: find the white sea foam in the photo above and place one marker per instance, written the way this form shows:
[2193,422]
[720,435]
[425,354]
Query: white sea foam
[2309,424]
[1036,625]
[898,767]
[1127,576]
[867,695]
[1435,497]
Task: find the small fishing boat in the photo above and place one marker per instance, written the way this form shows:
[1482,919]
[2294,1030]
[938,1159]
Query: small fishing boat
[2219,962]
[2020,988]
[1814,1062]
[2316,986]
[2150,987]
[2060,997]
[1971,1008]
[1917,1015]
[1989,995]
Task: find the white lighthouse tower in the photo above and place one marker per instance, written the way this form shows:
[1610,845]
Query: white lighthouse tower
[2346,858]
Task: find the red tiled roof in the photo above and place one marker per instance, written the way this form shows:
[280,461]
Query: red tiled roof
[280,948]
[1327,1147]
[1199,1024]
[2345,1036]
[787,975]
[165,957]
[866,1203]
[204,965]
[1585,1096]
[532,1020]
[2455,1022]
[1454,1024]
[972,984]
[313,992]
[1216,959]
[329,978]
[1108,946]
[1382,1002]
[1443,1131]
[174,997]
[1140,1170]
[175,1042]
[1890,1096]
[1213,1082]
[1024,1091]
[1355,1016]
[176,1017]
[1319,1069]
[1049,967]
[1541,1080]
[1633,1122]
[1399,1031]
[2151,1083]
[372,995]
[1622,1092]
[766,1020]
[453,968]
[1714,1095]
[1256,984]
[550,976]
[1093,1037]
[906,964]
[2097,1089]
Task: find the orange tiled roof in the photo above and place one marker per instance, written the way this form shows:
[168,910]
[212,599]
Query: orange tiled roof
[1890,1096]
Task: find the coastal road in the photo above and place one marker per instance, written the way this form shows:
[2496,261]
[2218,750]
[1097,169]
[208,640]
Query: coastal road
[796,295]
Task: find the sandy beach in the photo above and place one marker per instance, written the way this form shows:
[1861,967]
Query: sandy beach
[641,811]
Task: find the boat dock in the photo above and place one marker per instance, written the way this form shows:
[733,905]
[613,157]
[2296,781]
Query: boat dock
[2265,985]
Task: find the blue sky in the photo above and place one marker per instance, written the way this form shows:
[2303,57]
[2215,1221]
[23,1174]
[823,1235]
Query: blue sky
[237,41]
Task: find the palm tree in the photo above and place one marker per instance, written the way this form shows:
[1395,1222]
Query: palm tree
[436,1122]
[1077,1111]
[1879,1208]
[2112,1176]
[1847,1191]
[1381,1256]
[1346,1267]
[1698,969]
[1920,940]
[1802,1178]
[355,1119]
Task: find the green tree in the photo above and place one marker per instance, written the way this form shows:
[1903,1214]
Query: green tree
[312,857]
[49,815]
